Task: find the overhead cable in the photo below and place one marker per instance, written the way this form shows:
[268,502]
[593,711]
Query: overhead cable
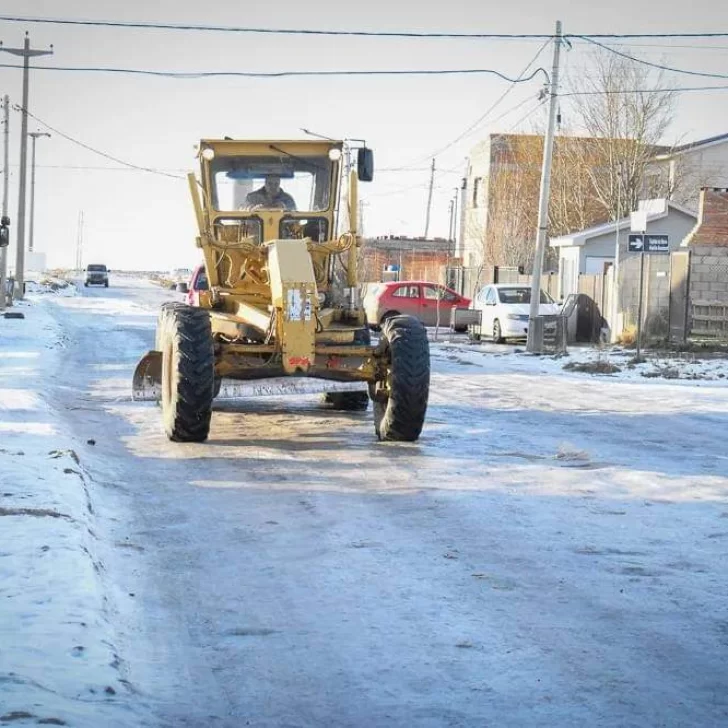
[282,74]
[342,32]
[151,170]
[673,89]
[488,111]
[703,74]
[269,31]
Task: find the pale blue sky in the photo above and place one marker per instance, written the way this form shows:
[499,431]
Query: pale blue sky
[136,219]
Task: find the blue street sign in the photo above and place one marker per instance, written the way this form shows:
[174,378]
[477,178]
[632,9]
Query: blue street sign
[644,243]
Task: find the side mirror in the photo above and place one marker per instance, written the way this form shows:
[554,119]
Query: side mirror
[365,164]
[182,288]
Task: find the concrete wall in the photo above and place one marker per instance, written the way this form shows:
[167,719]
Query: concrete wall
[709,274]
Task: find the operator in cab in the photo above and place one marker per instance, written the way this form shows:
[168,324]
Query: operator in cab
[270,196]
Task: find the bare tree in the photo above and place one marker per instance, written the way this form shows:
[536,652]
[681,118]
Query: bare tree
[600,168]
[513,194]
[618,104]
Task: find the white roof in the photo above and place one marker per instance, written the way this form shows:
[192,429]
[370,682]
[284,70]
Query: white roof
[656,210]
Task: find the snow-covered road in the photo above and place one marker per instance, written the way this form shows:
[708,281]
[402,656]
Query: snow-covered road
[552,552]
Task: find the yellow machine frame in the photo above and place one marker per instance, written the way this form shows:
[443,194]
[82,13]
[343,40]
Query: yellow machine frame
[281,306]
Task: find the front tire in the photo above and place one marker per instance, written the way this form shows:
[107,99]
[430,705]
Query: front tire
[400,407]
[188,373]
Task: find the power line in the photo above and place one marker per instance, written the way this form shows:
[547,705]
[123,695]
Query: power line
[92,168]
[703,74]
[678,46]
[674,89]
[528,113]
[269,31]
[491,108]
[328,32]
[281,74]
[97,151]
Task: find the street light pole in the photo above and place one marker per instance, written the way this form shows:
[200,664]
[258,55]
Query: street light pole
[34,136]
[27,53]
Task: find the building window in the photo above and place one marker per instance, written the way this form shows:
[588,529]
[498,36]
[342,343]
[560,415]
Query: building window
[476,190]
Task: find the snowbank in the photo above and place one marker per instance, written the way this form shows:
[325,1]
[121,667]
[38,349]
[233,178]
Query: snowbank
[58,663]
[588,362]
[42,284]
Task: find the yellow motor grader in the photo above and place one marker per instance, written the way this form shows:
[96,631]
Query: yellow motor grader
[283,296]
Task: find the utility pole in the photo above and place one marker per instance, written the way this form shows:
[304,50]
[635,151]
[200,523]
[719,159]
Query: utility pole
[451,209]
[543,205]
[614,313]
[6,184]
[27,53]
[455,217]
[34,136]
[429,199]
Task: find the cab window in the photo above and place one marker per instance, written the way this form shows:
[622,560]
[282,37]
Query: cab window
[306,179]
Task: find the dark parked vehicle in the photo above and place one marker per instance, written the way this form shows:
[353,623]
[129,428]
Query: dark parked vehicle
[97,275]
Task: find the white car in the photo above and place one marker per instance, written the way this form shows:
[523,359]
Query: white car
[504,310]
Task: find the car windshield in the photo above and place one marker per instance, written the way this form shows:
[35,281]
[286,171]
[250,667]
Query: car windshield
[97,268]
[299,184]
[520,295]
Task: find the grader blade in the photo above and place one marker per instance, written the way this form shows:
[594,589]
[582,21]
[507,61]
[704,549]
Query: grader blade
[147,382]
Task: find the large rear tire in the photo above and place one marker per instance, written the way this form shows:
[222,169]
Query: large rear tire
[188,373]
[347,401]
[399,409]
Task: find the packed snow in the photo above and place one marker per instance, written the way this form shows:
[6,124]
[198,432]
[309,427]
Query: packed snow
[551,552]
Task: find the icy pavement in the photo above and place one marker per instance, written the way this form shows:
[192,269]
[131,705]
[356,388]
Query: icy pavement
[550,553]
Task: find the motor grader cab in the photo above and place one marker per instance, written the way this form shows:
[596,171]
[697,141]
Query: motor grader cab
[282,296]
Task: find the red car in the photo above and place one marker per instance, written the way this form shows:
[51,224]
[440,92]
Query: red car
[198,282]
[420,299]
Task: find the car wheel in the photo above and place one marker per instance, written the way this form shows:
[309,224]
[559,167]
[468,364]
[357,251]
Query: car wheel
[497,333]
